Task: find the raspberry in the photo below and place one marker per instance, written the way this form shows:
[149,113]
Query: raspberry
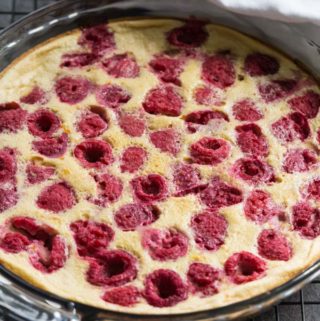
[8,166]
[203,278]
[131,216]
[121,65]
[308,104]
[125,296]
[299,160]
[8,198]
[43,123]
[133,159]
[93,153]
[219,71]
[164,288]
[37,174]
[258,64]
[251,140]
[98,39]
[57,198]
[166,140]
[132,125]
[306,220]
[253,170]
[13,242]
[273,245]
[313,189]
[91,237]
[210,230]
[92,125]
[190,35]
[112,96]
[219,194]
[35,96]
[277,89]
[78,60]
[168,69]
[112,268]
[150,188]
[12,117]
[245,110]
[244,267]
[163,101]
[207,96]
[52,146]
[165,245]
[72,90]
[291,127]
[209,151]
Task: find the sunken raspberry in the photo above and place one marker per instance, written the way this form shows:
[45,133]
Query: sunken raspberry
[72,90]
[125,296]
[152,187]
[78,60]
[8,166]
[209,151]
[273,245]
[131,216]
[132,125]
[35,96]
[164,288]
[203,278]
[244,267]
[121,65]
[37,174]
[12,117]
[167,140]
[210,230]
[207,96]
[57,197]
[251,140]
[313,189]
[13,242]
[163,101]
[164,245]
[112,96]
[91,237]
[277,89]
[52,146]
[43,123]
[245,110]
[258,64]
[112,268]
[299,160]
[8,198]
[219,194]
[133,159]
[92,125]
[219,71]
[93,153]
[308,104]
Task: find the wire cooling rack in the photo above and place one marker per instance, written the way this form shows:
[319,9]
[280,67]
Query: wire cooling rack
[302,306]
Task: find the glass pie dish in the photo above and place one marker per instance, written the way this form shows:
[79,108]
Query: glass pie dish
[26,302]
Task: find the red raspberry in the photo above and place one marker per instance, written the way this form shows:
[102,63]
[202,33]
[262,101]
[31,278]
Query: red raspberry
[37,174]
[273,245]
[299,160]
[164,245]
[8,198]
[258,64]
[253,170]
[93,153]
[164,288]
[251,140]
[210,230]
[13,242]
[203,278]
[163,101]
[313,189]
[121,65]
[244,267]
[207,96]
[12,117]
[277,89]
[91,237]
[308,104]
[112,268]
[131,216]
[167,140]
[152,187]
[78,60]
[57,197]
[36,96]
[43,123]
[92,125]
[8,165]
[219,71]
[219,194]
[245,110]
[72,90]
[112,96]
[132,125]
[52,146]
[209,151]
[125,296]
[133,159]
